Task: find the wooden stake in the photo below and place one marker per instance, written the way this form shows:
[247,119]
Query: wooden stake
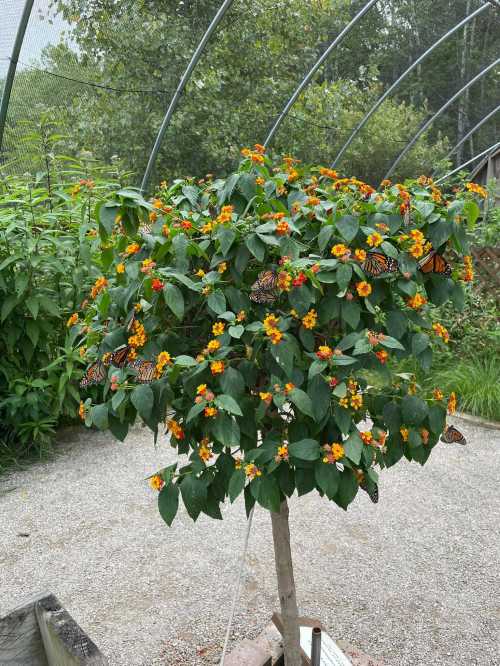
[286,586]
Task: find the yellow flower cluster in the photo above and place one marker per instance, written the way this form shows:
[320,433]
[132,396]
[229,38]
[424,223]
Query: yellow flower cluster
[333,452]
[162,360]
[284,281]
[437,394]
[360,255]
[133,248]
[363,288]
[374,239]
[217,367]
[139,338]
[210,412]
[156,482]
[218,328]
[222,268]
[416,302]
[329,173]
[241,316]
[405,433]
[99,285]
[309,320]
[175,428]
[266,396]
[271,328]
[213,346]
[251,471]
[81,411]
[339,250]
[417,247]
[205,451]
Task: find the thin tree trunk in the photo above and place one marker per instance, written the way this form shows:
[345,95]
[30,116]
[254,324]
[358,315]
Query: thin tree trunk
[286,586]
[462,102]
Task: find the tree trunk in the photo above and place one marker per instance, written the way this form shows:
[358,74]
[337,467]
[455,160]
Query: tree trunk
[462,102]
[286,586]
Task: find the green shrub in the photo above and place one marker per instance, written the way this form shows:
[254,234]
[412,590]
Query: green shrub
[47,243]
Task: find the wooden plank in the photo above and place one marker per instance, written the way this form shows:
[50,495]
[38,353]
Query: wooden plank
[20,638]
[65,642]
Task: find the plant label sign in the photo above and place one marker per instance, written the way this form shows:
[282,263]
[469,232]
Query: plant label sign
[331,654]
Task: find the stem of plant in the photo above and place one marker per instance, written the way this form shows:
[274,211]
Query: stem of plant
[286,585]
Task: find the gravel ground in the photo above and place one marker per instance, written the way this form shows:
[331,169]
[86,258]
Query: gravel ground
[413,580]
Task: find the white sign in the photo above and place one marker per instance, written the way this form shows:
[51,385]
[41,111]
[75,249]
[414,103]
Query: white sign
[331,654]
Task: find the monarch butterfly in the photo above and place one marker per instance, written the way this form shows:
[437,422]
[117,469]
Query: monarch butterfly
[453,436]
[145,370]
[264,288]
[372,493]
[119,357]
[434,263]
[95,374]
[145,228]
[377,263]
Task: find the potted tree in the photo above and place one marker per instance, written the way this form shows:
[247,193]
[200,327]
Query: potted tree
[260,319]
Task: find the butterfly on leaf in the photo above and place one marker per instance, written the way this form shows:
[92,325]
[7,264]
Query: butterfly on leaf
[452,435]
[264,289]
[145,370]
[119,357]
[377,263]
[372,490]
[434,263]
[131,321]
[95,374]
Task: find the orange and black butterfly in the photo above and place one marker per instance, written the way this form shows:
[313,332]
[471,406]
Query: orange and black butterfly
[434,263]
[145,370]
[452,435]
[372,490]
[264,289]
[377,263]
[119,357]
[95,374]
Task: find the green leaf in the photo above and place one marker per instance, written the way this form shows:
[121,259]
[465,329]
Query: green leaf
[316,367]
[8,305]
[236,331]
[439,232]
[305,449]
[301,298]
[391,343]
[33,305]
[236,484]
[168,502]
[342,419]
[305,481]
[353,447]
[419,342]
[344,275]
[397,323]
[392,416]
[348,226]
[232,382]
[413,410]
[348,488]
[472,212]
[324,236]
[301,400]
[100,416]
[174,299]
[320,393]
[119,429]
[283,355]
[226,238]
[351,313]
[195,410]
[226,430]
[229,404]
[437,418]
[269,495]
[33,331]
[217,302]
[49,306]
[142,397]
[327,477]
[389,250]
[185,361]
[256,247]
[194,494]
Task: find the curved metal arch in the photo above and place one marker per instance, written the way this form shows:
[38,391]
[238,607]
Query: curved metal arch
[403,76]
[472,159]
[472,131]
[429,122]
[305,81]
[9,79]
[182,84]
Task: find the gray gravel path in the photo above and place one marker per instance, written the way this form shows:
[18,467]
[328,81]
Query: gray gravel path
[413,580]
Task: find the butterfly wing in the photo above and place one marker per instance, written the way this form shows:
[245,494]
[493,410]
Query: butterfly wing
[453,435]
[119,356]
[94,374]
[371,490]
[434,263]
[377,263]
[264,289]
[145,370]
[130,324]
[407,217]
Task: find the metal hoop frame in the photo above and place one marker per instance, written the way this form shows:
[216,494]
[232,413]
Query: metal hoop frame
[9,79]
[472,159]
[473,130]
[307,79]
[403,76]
[429,122]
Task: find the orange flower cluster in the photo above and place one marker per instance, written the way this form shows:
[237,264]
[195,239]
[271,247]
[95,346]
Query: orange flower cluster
[162,360]
[329,173]
[81,411]
[225,215]
[251,471]
[452,403]
[284,281]
[266,396]
[416,302]
[363,288]
[99,285]
[218,328]
[333,452]
[405,433]
[175,428]
[213,346]
[367,437]
[133,248]
[437,394]
[313,201]
[324,353]
[282,453]
[271,328]
[72,320]
[340,250]
[477,189]
[256,156]
[386,183]
[156,482]
[309,320]
[360,255]
[205,451]
[241,316]
[417,247]
[217,367]
[374,239]
[282,228]
[382,356]
[210,412]
[442,332]
[139,338]
[468,273]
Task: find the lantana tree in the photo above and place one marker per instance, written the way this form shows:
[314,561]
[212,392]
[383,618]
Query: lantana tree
[260,319]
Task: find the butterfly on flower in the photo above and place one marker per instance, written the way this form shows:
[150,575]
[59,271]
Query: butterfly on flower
[145,370]
[434,263]
[452,435]
[95,374]
[119,357]
[264,289]
[377,263]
